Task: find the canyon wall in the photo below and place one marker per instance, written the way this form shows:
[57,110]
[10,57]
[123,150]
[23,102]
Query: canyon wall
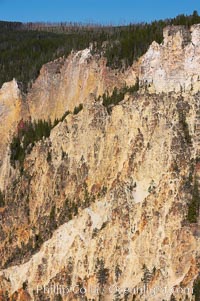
[103,202]
[65,83]
[174,64]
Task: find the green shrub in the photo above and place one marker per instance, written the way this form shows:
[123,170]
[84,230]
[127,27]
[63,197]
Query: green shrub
[78,109]
[194,205]
[196,289]
[102,273]
[49,157]
[65,115]
[58,298]
[184,125]
[26,137]
[2,199]
[57,120]
[52,217]
[118,272]
[172,298]
[147,275]
[118,95]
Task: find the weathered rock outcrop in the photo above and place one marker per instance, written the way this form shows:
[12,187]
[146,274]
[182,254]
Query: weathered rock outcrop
[12,108]
[174,65]
[133,167]
[65,83]
[61,86]
[103,202]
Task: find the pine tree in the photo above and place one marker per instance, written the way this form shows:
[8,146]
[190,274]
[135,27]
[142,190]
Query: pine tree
[102,273]
[2,200]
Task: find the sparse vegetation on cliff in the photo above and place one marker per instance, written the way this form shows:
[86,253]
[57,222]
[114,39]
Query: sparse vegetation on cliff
[78,109]
[172,298]
[194,204]
[2,199]
[57,120]
[102,273]
[24,48]
[52,218]
[147,274]
[70,174]
[28,134]
[196,289]
[184,125]
[117,95]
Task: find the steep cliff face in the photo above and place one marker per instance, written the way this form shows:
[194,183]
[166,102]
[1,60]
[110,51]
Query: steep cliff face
[173,65]
[103,202]
[12,108]
[66,83]
[128,179]
[61,86]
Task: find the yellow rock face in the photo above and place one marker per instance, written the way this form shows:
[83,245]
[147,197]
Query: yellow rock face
[64,84]
[61,85]
[103,202]
[12,110]
[137,222]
